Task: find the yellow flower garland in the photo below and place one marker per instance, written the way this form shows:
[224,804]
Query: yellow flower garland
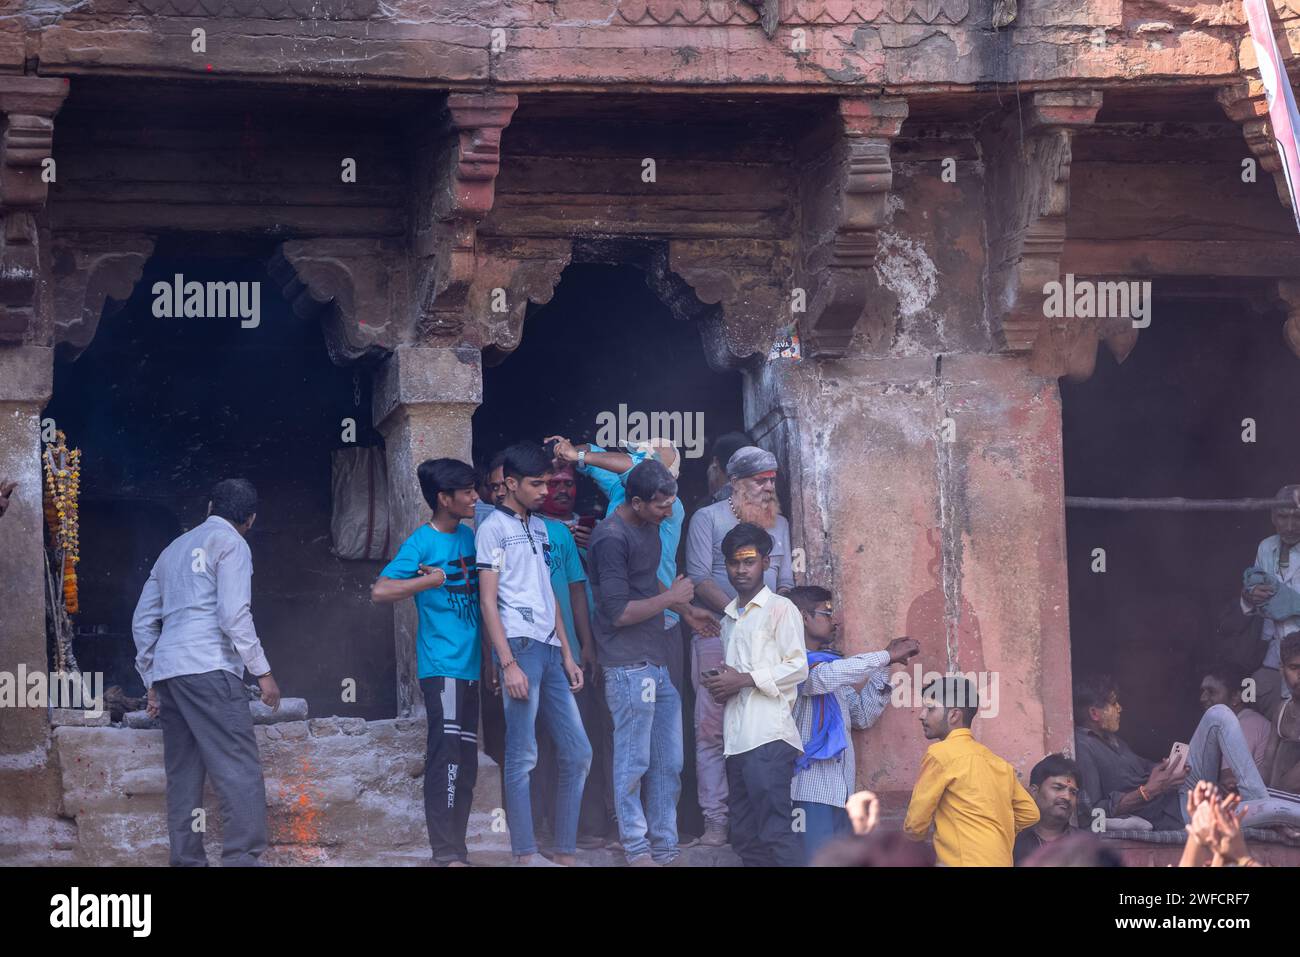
[62,489]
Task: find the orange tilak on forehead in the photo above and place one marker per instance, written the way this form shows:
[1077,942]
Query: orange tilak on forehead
[749,551]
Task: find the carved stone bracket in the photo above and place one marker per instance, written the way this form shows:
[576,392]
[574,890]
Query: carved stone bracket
[1029,197]
[511,274]
[467,158]
[847,175]
[27,109]
[357,287]
[92,275]
[749,280]
[1246,104]
[1288,290]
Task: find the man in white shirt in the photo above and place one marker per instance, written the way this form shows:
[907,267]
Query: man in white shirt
[764,662]
[194,637]
[1279,556]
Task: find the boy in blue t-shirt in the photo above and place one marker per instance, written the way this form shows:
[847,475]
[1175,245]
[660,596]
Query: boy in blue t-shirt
[436,566]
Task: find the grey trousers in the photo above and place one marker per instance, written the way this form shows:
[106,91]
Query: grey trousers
[208,730]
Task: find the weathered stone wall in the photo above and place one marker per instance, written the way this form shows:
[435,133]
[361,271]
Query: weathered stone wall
[958,544]
[339,791]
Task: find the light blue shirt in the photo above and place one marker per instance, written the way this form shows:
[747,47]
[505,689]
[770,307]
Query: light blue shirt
[670,529]
[1268,558]
[193,615]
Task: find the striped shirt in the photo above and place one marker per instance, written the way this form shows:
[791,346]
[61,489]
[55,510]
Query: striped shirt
[832,780]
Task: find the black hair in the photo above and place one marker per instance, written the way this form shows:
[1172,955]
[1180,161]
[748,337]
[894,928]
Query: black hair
[1092,691]
[808,597]
[649,479]
[955,691]
[746,533]
[1290,647]
[234,499]
[525,460]
[727,444]
[1232,677]
[498,461]
[443,475]
[1055,766]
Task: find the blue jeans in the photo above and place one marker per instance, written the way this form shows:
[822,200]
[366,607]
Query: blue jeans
[821,823]
[647,713]
[549,696]
[1218,737]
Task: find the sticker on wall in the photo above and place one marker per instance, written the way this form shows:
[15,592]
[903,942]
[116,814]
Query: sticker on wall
[786,345]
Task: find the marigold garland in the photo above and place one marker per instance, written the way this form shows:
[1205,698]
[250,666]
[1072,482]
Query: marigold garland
[62,489]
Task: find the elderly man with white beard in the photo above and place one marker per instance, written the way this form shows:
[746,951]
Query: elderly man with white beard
[752,472]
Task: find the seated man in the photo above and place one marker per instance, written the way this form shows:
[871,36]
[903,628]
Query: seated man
[839,692]
[1223,684]
[1054,786]
[969,794]
[1113,773]
[1114,777]
[1282,760]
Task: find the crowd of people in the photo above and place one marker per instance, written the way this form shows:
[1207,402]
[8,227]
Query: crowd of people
[552,636]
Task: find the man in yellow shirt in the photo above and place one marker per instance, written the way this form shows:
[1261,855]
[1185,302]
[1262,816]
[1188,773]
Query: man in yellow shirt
[969,794]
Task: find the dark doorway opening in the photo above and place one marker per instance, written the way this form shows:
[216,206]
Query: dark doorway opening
[607,339]
[1169,423]
[164,407]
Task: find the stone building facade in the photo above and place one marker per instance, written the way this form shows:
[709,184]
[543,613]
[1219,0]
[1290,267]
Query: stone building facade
[898,178]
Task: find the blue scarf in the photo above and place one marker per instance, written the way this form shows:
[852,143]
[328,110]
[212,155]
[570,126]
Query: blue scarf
[828,738]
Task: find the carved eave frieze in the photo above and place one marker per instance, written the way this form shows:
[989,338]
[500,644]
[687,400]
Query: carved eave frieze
[92,275]
[464,188]
[27,109]
[356,288]
[1029,199]
[848,174]
[1246,104]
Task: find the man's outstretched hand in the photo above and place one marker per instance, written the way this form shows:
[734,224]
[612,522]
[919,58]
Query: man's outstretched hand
[900,649]
[702,623]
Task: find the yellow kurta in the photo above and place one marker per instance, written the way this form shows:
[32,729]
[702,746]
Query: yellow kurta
[973,799]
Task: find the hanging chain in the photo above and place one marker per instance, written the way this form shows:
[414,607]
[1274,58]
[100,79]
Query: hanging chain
[356,389]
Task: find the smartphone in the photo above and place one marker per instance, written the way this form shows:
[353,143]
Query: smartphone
[1178,756]
[713,673]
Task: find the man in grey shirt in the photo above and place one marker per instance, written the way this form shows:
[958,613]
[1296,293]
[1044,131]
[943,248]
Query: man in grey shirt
[752,472]
[194,636]
[632,649]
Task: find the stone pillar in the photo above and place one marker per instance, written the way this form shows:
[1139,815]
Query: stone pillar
[959,544]
[424,401]
[26,380]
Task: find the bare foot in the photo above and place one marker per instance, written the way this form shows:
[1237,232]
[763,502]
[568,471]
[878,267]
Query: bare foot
[565,860]
[457,864]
